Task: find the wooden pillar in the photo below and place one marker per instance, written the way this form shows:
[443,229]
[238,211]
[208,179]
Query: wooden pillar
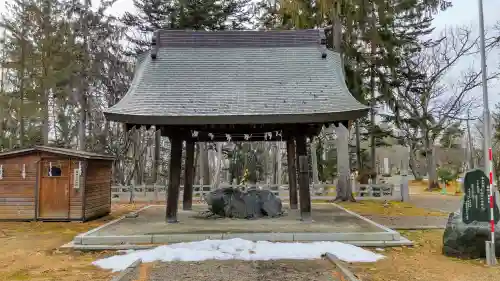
[174,181]
[187,200]
[304,193]
[292,173]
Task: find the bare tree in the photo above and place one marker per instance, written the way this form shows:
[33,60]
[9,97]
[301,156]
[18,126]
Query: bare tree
[409,135]
[426,101]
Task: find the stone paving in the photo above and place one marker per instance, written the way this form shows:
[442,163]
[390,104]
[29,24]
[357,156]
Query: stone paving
[330,223]
[151,221]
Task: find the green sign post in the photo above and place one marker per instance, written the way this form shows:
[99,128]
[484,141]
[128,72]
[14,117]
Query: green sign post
[476,205]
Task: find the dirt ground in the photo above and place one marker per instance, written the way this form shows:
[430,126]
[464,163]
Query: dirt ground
[424,262]
[284,270]
[29,250]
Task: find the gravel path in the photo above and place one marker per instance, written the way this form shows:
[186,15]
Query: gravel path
[444,203]
[303,270]
[406,222]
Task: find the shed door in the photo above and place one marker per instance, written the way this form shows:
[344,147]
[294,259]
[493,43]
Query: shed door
[53,197]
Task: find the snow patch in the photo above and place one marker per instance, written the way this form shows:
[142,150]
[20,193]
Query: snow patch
[239,249]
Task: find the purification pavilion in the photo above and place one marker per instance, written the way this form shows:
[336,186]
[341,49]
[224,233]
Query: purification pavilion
[204,86]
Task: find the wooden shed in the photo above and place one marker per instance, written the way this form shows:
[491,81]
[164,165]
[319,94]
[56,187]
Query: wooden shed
[54,184]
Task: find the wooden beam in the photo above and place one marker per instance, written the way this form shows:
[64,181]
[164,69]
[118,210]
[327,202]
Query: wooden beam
[174,178]
[304,193]
[187,200]
[217,133]
[292,173]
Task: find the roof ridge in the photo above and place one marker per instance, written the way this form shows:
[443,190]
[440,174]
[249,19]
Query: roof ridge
[181,38]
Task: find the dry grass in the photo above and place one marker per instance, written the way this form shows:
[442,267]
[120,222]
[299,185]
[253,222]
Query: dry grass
[29,250]
[424,262]
[420,187]
[377,207]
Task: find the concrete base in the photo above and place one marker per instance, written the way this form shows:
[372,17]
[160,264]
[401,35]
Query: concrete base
[149,229]
[79,247]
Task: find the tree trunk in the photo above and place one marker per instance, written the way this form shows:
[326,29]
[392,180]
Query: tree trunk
[431,165]
[139,157]
[204,165]
[413,166]
[279,164]
[218,166]
[156,161]
[314,163]
[82,120]
[21,86]
[470,147]
[358,148]
[136,155]
[274,163]
[104,137]
[197,164]
[344,187]
[372,102]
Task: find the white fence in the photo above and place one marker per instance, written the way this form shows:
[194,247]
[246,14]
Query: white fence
[156,193]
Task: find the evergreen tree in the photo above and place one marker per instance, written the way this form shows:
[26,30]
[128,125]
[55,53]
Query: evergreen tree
[49,68]
[389,28]
[195,15]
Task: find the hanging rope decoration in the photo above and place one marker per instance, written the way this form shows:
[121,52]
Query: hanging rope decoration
[23,172]
[79,168]
[1,172]
[274,135]
[50,169]
[268,135]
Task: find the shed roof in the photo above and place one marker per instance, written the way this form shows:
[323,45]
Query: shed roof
[58,150]
[237,77]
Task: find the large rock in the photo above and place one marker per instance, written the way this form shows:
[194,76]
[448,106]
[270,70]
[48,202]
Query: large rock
[233,203]
[467,240]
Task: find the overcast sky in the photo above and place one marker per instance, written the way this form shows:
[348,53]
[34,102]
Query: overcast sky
[465,12]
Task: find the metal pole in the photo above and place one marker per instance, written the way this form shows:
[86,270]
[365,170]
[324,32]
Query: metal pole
[486,110]
[487,135]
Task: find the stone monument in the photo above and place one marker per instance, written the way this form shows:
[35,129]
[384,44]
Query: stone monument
[468,229]
[253,204]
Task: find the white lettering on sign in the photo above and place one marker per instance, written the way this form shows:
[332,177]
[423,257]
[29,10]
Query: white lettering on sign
[481,192]
[76,178]
[467,211]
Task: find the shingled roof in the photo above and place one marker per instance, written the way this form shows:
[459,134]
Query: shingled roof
[58,150]
[237,77]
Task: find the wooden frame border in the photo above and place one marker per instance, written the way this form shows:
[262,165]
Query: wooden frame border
[84,188]
[37,186]
[39,180]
